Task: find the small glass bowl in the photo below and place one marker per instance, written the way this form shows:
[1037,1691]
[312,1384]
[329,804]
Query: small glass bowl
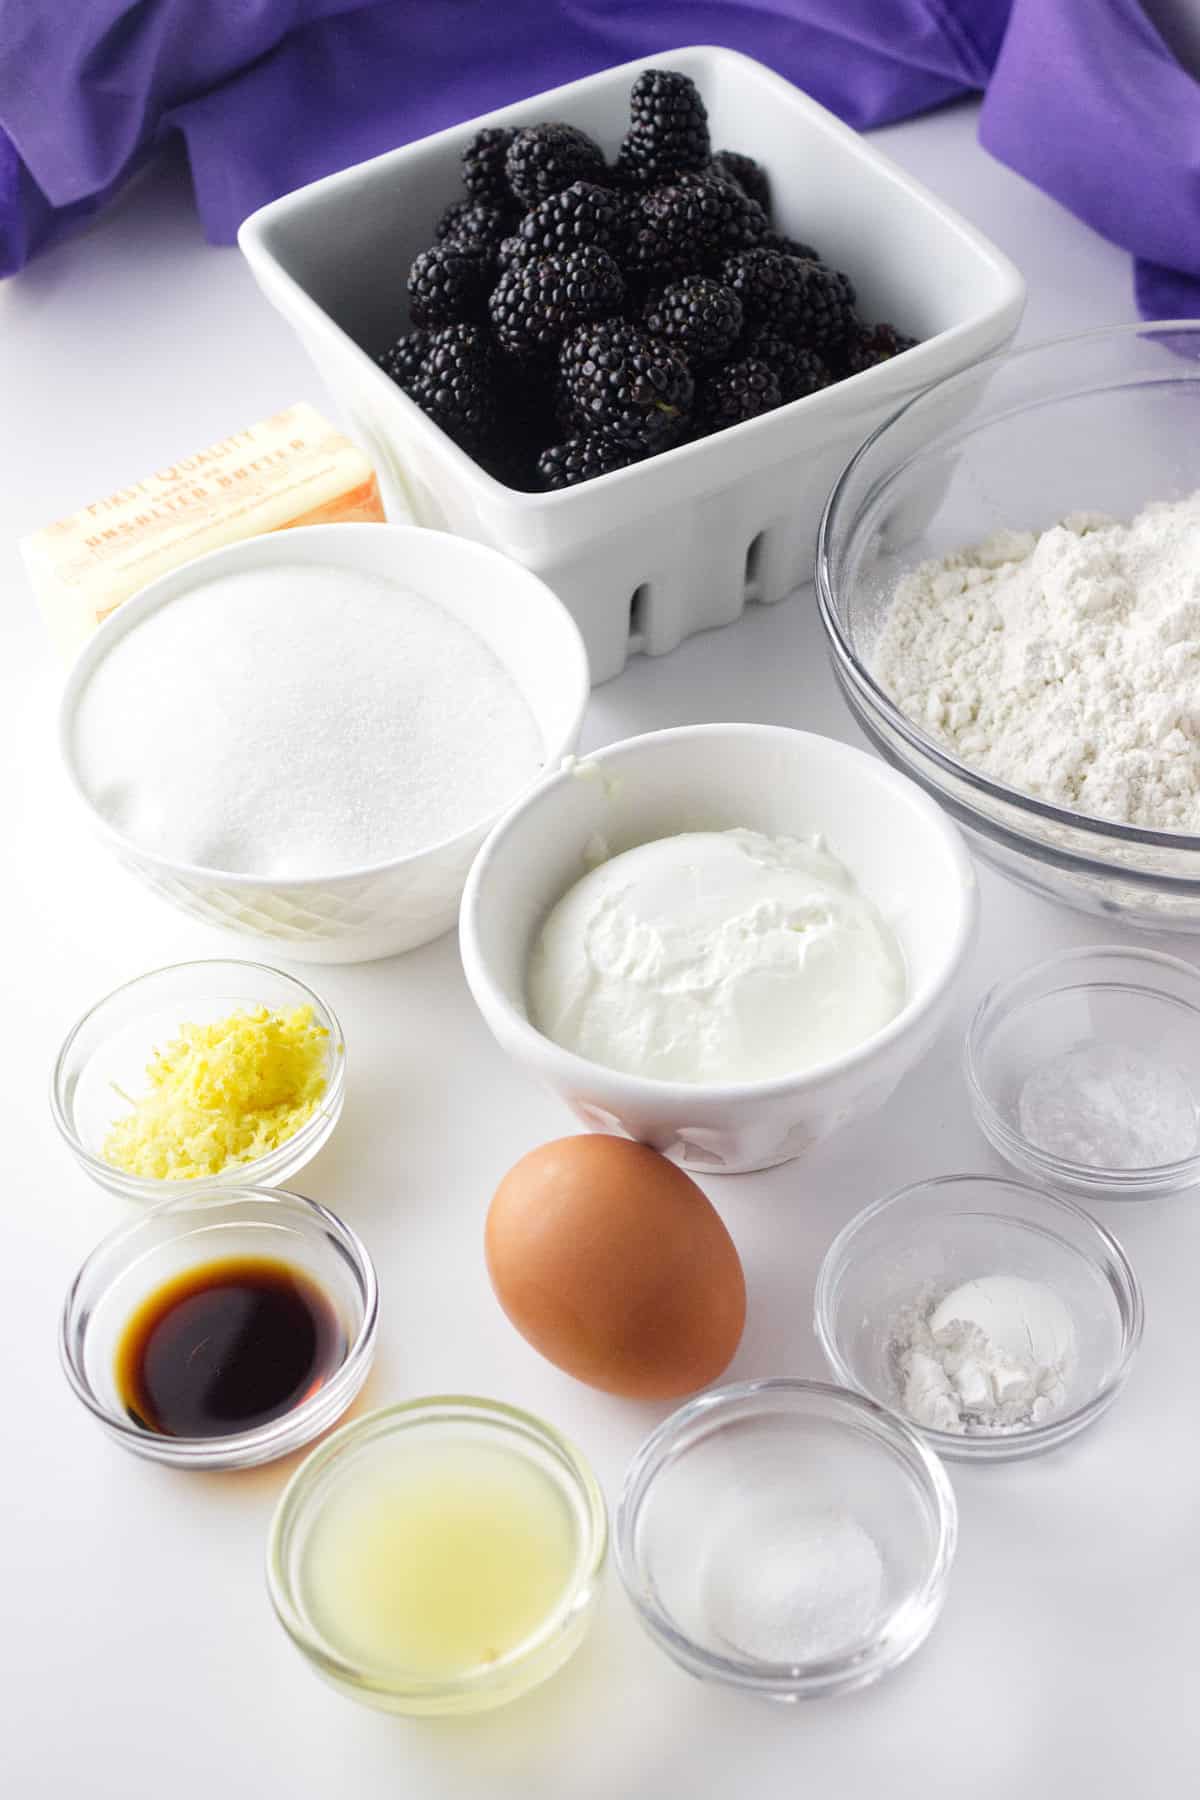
[915,1246]
[112,1044]
[1086,1003]
[134,1261]
[735,1484]
[437,1422]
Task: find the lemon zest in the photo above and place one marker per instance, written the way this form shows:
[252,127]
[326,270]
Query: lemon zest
[223,1094]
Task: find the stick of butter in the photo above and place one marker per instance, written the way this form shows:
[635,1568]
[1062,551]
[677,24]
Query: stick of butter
[294,468]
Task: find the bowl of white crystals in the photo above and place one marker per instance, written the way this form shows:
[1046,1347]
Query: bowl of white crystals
[786,1538]
[999,1321]
[725,941]
[305,737]
[1084,1072]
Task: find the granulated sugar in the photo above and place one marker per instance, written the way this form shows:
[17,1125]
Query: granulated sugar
[300,721]
[808,1585]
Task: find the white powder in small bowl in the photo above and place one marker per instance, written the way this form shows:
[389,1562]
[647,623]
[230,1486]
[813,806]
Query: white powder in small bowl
[1108,1106]
[300,721]
[802,1586]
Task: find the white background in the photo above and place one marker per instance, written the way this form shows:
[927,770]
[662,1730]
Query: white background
[138,1653]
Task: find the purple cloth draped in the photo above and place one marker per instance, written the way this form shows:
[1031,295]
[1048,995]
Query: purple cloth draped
[1084,97]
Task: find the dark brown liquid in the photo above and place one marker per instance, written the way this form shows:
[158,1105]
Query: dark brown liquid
[227,1346]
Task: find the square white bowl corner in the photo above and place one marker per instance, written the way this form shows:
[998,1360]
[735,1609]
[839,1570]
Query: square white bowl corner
[648,555]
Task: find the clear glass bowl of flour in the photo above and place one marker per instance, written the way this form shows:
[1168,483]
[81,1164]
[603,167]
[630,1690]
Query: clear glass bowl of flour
[1084,1072]
[1107,422]
[786,1538]
[999,1320]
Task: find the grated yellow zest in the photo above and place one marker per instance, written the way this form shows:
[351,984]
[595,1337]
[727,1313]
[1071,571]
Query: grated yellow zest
[223,1094]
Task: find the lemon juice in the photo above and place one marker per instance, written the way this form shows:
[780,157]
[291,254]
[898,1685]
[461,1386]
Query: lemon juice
[439,1559]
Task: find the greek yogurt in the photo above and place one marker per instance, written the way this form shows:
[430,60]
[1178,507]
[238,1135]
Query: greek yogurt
[715,957]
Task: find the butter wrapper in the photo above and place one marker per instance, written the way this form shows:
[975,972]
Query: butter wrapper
[294,468]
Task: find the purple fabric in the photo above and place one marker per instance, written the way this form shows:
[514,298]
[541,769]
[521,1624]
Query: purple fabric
[1083,97]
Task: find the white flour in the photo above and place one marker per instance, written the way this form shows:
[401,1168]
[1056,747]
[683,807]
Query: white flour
[298,721]
[1066,665]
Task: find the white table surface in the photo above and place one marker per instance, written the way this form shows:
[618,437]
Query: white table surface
[139,1656]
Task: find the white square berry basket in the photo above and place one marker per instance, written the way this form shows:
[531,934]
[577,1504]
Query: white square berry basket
[645,556]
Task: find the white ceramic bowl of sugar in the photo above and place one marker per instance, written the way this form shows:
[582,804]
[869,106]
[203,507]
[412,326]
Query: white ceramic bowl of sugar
[376,908]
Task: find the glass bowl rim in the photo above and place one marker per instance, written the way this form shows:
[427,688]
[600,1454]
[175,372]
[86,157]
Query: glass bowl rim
[993,1009]
[261,1443]
[855,670]
[848,1669]
[257,1173]
[999,1447]
[512,1425]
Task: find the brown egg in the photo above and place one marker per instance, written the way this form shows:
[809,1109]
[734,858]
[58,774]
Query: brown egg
[611,1262]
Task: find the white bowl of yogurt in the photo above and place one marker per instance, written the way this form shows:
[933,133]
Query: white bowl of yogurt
[305,737]
[726,941]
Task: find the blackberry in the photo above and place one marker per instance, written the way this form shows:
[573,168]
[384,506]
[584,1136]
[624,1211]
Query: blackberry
[843,281]
[581,214]
[750,176]
[798,372]
[535,303]
[685,224]
[698,317]
[475,224]
[668,130]
[545,159]
[448,285]
[403,359]
[803,300]
[580,458]
[769,285]
[483,164]
[510,250]
[869,345]
[788,246]
[457,384]
[620,380]
[825,318]
[737,391]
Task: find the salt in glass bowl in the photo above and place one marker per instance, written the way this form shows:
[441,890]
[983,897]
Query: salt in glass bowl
[135,1261]
[438,1421]
[110,1047]
[758,1492]
[913,1247]
[1083,1006]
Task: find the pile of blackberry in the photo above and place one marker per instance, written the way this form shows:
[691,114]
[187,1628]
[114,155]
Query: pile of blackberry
[573,317]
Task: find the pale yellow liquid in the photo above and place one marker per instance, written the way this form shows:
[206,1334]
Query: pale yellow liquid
[438,1559]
